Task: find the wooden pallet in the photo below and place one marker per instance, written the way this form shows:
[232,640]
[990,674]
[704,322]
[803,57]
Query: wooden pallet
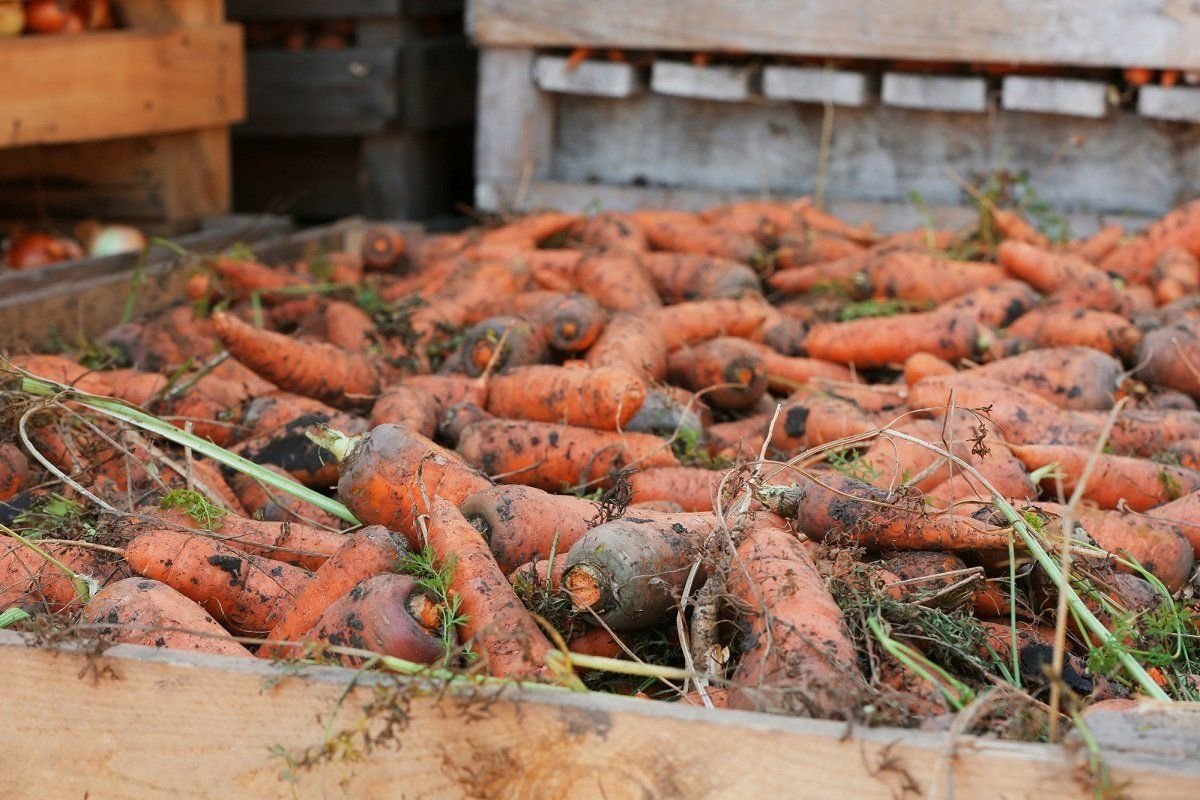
[135,722]
[749,129]
[130,124]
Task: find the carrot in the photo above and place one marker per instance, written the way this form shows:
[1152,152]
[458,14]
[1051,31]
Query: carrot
[595,642]
[803,249]
[539,576]
[629,571]
[496,623]
[787,373]
[841,508]
[1186,452]
[260,502]
[1176,273]
[247,593]
[844,275]
[684,276]
[1170,356]
[146,612]
[920,366]
[693,489]
[694,322]
[530,230]
[1094,248]
[387,474]
[409,406]
[363,554]
[811,417]
[551,456]
[205,476]
[996,305]
[164,341]
[383,247]
[241,278]
[1137,76]
[868,398]
[292,543]
[728,371]
[1140,483]
[521,523]
[599,397]
[29,581]
[670,410]
[742,438]
[1164,553]
[1182,515]
[762,220]
[783,334]
[15,472]
[276,410]
[913,275]
[313,369]
[571,323]
[131,386]
[1178,229]
[458,418]
[631,343]
[893,462]
[683,232]
[1003,470]
[879,341]
[796,653]
[818,220]
[552,269]
[611,232]
[502,342]
[1099,291]
[1040,267]
[387,614]
[347,326]
[1014,229]
[1067,327]
[290,447]
[212,405]
[617,281]
[1070,377]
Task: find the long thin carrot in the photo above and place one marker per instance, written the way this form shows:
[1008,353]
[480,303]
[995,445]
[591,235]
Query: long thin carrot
[879,341]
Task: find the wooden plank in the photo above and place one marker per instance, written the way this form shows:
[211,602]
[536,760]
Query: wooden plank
[1066,96]
[437,81]
[344,9]
[174,177]
[1176,103]
[120,83]
[934,92]
[1153,33]
[140,723]
[414,174]
[729,84]
[321,92]
[516,122]
[594,78]
[816,85]
[309,178]
[166,14]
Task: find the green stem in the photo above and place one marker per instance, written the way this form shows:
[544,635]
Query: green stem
[961,694]
[336,443]
[119,410]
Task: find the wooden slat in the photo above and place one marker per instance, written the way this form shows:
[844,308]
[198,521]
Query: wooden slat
[1154,33]
[174,177]
[138,723]
[121,83]
[516,120]
[321,92]
[344,9]
[163,14]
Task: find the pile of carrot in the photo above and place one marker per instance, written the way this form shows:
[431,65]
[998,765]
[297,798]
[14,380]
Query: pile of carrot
[808,463]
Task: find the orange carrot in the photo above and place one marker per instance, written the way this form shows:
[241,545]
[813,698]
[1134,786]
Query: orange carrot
[146,612]
[844,274]
[729,372]
[1170,357]
[913,275]
[347,326]
[694,322]
[1135,259]
[212,405]
[521,523]
[684,276]
[1014,229]
[1043,269]
[819,220]
[690,487]
[797,653]
[631,343]
[892,462]
[1182,515]
[268,503]
[1067,327]
[879,341]
[919,366]
[598,397]
[628,571]
[551,456]
[787,373]
[1069,377]
[800,249]
[1176,273]
[388,475]
[1095,247]
[409,406]
[1140,483]
[389,614]
[382,247]
[529,231]
[502,342]
[289,447]
[683,232]
[996,305]
[617,281]
[496,623]
[313,369]
[245,592]
[570,323]
[29,581]
[363,554]
[610,231]
[241,278]
[15,471]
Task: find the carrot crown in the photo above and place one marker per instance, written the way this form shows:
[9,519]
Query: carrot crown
[336,443]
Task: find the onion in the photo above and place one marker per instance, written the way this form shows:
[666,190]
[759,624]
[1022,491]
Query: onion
[39,249]
[47,16]
[12,19]
[110,240]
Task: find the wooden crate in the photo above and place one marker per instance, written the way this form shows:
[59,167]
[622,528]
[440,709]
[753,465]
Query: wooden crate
[669,129]
[129,124]
[134,722]
[377,128]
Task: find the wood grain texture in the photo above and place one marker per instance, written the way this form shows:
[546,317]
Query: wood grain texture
[139,723]
[120,83]
[1154,33]
[163,14]
[516,120]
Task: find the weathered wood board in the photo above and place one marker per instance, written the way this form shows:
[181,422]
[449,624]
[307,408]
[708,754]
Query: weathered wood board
[138,723]
[1150,33]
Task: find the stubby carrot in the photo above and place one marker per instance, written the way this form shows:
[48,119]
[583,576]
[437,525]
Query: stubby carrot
[1170,356]
[797,653]
[521,523]
[1070,377]
[995,305]
[496,624]
[387,476]
[1067,327]
[914,275]
[150,613]
[1040,267]
[383,247]
[1013,227]
[502,343]
[920,366]
[728,371]
[599,397]
[247,593]
[552,457]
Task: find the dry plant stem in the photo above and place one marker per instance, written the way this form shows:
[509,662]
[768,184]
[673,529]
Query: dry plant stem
[1076,605]
[116,409]
[1066,526]
[45,462]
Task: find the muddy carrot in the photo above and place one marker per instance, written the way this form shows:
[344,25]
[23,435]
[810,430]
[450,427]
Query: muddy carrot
[1140,483]
[694,489]
[1069,377]
[1042,268]
[1176,274]
[15,472]
[502,342]
[996,305]
[878,341]
[1135,259]
[694,322]
[1170,357]
[617,281]
[521,523]
[683,276]
[913,275]
[599,397]
[616,232]
[631,343]
[683,232]
[383,247]
[1067,327]
[729,372]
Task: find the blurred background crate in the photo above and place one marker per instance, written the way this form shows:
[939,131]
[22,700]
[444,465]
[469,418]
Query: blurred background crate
[355,107]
